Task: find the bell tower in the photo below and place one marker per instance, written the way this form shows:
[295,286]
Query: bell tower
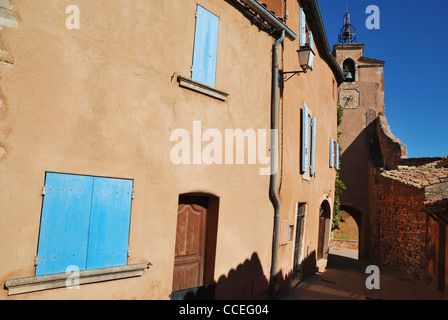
[347,34]
[361,96]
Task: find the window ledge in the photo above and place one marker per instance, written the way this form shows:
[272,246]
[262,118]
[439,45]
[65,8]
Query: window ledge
[32,284]
[202,88]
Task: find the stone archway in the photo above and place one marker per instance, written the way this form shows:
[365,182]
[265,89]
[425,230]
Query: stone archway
[360,217]
[347,235]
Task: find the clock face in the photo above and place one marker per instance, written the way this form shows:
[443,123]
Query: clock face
[349,98]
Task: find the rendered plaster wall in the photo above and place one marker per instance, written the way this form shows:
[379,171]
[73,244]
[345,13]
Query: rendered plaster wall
[102,101]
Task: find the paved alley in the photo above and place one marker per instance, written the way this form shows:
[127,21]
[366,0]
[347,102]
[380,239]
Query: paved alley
[344,279]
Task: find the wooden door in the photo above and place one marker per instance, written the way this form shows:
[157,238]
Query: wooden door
[298,243]
[320,248]
[190,246]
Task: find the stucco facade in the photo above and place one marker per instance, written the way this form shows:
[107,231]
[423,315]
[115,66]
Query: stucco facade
[104,100]
[300,192]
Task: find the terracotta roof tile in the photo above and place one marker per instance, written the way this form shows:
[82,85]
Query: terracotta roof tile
[421,176]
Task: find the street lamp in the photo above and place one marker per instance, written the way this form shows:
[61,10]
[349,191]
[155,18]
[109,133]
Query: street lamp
[306,57]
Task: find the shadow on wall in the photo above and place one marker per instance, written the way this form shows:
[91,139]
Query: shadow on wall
[246,282]
[309,265]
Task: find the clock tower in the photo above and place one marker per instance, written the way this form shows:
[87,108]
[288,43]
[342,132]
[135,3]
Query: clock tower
[361,96]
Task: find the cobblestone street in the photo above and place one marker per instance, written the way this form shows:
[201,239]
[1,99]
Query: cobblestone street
[344,279]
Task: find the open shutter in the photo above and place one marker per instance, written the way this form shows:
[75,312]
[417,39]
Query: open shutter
[109,223]
[64,228]
[337,156]
[331,153]
[311,42]
[305,139]
[313,146]
[205,47]
[302,27]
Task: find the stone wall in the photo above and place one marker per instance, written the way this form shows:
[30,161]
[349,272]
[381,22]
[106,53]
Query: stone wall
[344,244]
[402,235]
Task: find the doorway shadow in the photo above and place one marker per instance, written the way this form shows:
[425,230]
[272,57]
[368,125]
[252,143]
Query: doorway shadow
[247,281]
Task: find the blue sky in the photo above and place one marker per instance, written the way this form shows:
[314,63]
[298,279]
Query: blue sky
[413,40]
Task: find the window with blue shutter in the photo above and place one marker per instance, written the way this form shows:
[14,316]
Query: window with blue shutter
[85,222]
[337,156]
[109,223]
[313,147]
[302,27]
[205,47]
[311,42]
[305,139]
[64,227]
[331,153]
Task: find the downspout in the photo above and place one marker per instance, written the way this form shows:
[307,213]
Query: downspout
[274,159]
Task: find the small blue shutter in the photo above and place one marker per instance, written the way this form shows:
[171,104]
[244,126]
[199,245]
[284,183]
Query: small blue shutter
[109,223]
[64,228]
[337,156]
[205,47]
[313,146]
[331,153]
[302,28]
[311,41]
[305,139]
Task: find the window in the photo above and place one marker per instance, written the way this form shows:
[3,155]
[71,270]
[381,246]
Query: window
[308,148]
[205,47]
[302,21]
[311,42]
[337,156]
[334,154]
[85,223]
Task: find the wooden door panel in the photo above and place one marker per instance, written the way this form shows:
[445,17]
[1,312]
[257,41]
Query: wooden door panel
[186,276]
[190,246]
[320,248]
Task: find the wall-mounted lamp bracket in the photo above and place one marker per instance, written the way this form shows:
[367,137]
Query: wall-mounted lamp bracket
[285,77]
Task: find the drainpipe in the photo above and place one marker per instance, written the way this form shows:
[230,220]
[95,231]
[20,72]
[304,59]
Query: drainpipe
[274,159]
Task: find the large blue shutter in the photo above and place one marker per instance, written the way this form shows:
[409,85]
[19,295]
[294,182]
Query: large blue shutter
[64,227]
[109,223]
[85,222]
[302,28]
[205,47]
[313,147]
[305,139]
[331,153]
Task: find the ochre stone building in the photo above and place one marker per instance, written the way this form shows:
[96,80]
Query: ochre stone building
[115,170]
[400,205]
[409,218]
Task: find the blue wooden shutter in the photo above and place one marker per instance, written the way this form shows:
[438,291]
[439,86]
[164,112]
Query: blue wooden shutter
[205,47]
[302,28]
[331,153]
[109,223]
[64,228]
[313,146]
[305,139]
[337,156]
[311,41]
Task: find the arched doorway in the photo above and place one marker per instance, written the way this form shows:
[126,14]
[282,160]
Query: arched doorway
[324,230]
[195,248]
